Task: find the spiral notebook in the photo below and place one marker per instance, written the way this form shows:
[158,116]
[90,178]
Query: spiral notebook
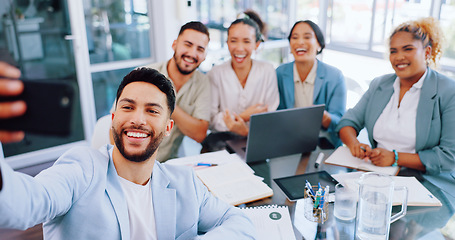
[272,222]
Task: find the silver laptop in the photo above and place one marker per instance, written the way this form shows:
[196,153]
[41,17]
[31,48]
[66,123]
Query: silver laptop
[281,133]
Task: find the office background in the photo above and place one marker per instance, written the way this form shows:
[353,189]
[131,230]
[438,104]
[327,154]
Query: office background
[92,44]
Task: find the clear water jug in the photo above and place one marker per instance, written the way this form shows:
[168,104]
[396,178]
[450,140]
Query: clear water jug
[375,206]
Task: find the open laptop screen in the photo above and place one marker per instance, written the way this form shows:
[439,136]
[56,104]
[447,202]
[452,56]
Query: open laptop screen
[283,132]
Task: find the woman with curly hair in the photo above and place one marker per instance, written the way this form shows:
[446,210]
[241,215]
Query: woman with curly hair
[409,115]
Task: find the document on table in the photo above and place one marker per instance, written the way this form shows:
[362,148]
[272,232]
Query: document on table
[343,157]
[272,222]
[229,179]
[234,183]
[418,195]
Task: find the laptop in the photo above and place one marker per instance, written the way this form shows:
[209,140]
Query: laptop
[280,133]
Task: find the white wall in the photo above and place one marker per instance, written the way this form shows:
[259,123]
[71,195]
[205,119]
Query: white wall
[167,18]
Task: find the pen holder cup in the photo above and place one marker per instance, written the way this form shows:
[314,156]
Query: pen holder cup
[316,211]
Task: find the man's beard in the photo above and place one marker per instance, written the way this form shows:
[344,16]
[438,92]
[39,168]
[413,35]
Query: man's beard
[146,154]
[181,70]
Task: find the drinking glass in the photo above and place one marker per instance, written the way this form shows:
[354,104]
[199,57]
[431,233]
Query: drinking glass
[345,203]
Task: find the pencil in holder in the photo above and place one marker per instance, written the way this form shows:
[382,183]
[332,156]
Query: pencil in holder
[316,204]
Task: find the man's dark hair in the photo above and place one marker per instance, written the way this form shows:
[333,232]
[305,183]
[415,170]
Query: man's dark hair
[154,77]
[197,26]
[317,31]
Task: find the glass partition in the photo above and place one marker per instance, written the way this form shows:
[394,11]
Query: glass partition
[117,30]
[105,86]
[118,39]
[34,38]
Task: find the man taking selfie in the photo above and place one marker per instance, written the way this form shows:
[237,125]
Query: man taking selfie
[121,191]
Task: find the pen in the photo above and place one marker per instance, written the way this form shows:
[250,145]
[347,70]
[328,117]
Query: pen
[309,193]
[319,160]
[318,198]
[308,185]
[206,164]
[321,203]
[363,148]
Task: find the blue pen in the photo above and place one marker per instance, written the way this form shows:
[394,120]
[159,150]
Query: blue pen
[325,194]
[309,193]
[308,185]
[321,202]
[206,164]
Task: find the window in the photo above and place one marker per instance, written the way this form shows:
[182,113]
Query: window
[218,15]
[117,30]
[36,41]
[105,86]
[357,31]
[447,19]
[118,38]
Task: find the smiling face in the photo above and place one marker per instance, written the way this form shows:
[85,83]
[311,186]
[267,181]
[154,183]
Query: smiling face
[407,56]
[241,44]
[190,50]
[140,121]
[303,43]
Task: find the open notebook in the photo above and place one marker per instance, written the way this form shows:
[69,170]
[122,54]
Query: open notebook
[231,180]
[343,157]
[234,183]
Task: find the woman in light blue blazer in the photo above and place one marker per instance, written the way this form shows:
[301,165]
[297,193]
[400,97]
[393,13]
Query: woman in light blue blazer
[308,81]
[409,115]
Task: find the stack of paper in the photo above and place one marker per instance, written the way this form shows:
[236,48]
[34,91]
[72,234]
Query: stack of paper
[231,180]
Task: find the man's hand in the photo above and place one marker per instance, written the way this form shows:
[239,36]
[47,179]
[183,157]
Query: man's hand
[9,87]
[257,108]
[236,124]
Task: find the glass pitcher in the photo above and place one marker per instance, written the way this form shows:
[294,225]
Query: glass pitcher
[375,206]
